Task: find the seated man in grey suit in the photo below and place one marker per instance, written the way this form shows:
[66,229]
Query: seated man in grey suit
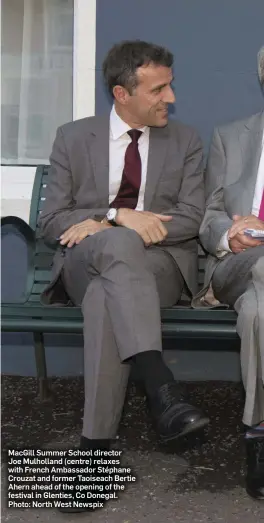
[125,201]
[235,202]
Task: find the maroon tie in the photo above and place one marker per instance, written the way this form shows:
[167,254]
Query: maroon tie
[261,209]
[127,195]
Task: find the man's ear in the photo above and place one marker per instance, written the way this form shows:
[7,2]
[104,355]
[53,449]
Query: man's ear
[121,94]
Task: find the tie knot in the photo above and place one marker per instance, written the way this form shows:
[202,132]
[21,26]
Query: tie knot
[134,134]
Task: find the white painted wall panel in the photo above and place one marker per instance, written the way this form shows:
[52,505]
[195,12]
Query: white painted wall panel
[16,189]
[84,44]
[18,207]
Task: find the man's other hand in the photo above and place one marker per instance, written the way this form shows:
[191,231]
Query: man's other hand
[244,222]
[76,233]
[147,224]
[238,241]
[241,242]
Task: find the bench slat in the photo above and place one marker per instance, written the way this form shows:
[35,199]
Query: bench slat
[201,264]
[43,261]
[173,330]
[41,203]
[41,247]
[43,190]
[38,288]
[42,276]
[34,299]
[167,314]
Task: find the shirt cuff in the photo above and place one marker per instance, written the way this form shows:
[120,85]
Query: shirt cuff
[223,246]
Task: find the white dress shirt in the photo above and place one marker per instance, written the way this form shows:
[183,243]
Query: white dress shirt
[223,246]
[118,142]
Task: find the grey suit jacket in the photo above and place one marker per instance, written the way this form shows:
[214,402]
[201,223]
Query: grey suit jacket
[78,187]
[230,181]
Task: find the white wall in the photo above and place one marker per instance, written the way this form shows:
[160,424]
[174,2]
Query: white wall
[16,191]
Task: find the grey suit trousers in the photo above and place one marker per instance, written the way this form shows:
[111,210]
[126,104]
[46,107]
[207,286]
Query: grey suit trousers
[239,281]
[121,286]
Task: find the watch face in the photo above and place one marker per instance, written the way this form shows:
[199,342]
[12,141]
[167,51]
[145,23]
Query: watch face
[111,214]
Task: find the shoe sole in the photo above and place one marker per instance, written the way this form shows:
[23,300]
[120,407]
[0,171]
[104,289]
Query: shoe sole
[192,427]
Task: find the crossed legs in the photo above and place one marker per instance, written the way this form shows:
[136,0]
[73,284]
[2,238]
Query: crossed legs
[121,286]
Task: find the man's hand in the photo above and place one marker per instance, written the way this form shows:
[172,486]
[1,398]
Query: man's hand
[147,224]
[244,222]
[76,233]
[241,242]
[238,241]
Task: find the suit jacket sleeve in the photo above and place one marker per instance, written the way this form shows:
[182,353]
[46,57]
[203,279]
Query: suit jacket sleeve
[189,211]
[216,220]
[59,211]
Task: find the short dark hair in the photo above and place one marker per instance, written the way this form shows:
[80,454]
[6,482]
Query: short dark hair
[123,59]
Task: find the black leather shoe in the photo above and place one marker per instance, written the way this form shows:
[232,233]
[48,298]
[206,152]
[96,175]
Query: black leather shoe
[173,417]
[255,467]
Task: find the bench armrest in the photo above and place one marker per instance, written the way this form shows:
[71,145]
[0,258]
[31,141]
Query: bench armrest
[21,228]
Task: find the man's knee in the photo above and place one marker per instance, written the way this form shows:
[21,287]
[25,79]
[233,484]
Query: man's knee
[258,271]
[122,242]
[248,307]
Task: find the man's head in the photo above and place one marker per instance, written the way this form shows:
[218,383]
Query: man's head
[139,75]
[261,66]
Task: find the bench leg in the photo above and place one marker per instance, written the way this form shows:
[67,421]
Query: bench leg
[41,366]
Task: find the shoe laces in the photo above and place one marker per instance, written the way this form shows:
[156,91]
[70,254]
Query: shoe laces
[169,393]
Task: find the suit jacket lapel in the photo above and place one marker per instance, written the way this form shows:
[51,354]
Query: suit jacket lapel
[251,145]
[158,143]
[98,144]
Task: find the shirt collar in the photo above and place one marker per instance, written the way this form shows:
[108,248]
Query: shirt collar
[118,127]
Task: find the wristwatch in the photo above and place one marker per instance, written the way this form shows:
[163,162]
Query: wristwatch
[111,216]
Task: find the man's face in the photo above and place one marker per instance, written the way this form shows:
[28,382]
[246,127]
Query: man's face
[148,103]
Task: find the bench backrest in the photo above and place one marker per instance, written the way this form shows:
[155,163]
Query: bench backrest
[44,254]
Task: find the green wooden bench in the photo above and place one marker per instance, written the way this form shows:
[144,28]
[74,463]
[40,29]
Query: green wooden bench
[29,315]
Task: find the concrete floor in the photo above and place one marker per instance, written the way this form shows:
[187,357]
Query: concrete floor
[197,480]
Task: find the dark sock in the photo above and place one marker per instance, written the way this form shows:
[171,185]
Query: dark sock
[152,370]
[90,444]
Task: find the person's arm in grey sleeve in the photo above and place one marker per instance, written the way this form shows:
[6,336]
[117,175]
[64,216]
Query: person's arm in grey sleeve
[188,213]
[59,211]
[216,221]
